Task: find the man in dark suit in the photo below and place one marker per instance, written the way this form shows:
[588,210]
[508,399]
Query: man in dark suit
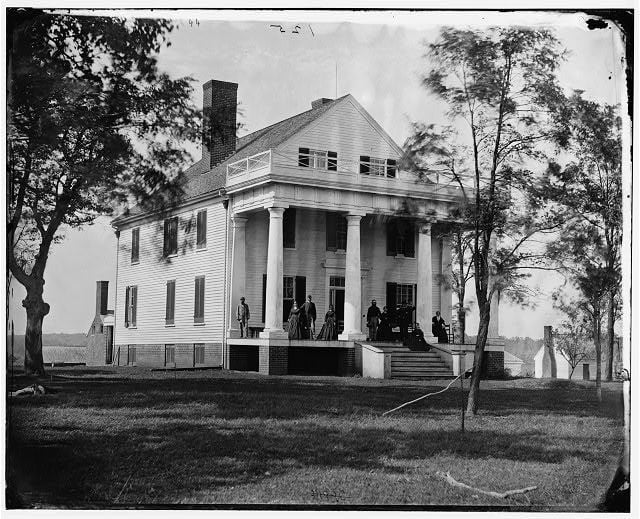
[309,310]
[242,314]
[373,319]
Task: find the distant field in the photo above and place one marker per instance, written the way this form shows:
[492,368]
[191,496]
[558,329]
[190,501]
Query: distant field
[123,437]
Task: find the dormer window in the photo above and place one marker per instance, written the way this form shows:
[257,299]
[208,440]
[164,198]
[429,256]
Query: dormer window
[318,159]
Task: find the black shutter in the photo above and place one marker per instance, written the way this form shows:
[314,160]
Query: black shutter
[303,157]
[171,299]
[165,248]
[331,231]
[264,298]
[198,313]
[364,165]
[410,241]
[134,304]
[135,245]
[201,229]
[301,290]
[332,162]
[174,235]
[126,308]
[391,238]
[391,168]
[391,298]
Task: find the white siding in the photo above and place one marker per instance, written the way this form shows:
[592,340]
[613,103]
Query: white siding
[152,272]
[342,129]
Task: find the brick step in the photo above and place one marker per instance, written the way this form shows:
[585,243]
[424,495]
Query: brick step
[425,356]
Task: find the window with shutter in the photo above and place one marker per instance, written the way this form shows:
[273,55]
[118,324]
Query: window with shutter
[201,229]
[289,229]
[391,168]
[171,303]
[336,231]
[135,245]
[170,236]
[331,231]
[303,157]
[126,307]
[198,311]
[134,305]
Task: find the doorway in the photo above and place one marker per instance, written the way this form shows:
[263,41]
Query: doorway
[109,333]
[336,298]
[585,372]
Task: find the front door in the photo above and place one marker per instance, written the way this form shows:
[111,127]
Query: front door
[585,372]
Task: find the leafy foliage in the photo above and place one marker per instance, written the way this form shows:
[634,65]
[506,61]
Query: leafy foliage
[500,87]
[92,123]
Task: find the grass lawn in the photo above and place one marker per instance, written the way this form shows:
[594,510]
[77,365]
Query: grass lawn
[119,437]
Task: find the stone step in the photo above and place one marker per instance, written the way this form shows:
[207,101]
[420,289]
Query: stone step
[444,374]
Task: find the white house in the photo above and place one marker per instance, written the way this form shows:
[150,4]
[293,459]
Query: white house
[585,370]
[313,204]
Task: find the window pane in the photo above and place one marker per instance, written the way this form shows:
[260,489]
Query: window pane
[287,287]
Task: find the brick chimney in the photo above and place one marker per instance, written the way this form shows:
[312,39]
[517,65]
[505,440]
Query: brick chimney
[102,293]
[319,102]
[219,106]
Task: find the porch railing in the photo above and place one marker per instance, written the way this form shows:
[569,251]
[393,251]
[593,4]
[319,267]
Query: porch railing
[252,163]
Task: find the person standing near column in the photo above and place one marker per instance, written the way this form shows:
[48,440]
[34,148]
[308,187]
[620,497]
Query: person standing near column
[373,319]
[242,314]
[309,309]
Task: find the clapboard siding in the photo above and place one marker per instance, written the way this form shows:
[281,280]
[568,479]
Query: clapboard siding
[344,130]
[152,272]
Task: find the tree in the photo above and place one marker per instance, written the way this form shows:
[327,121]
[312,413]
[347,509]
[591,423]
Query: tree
[573,338]
[589,193]
[500,87]
[92,123]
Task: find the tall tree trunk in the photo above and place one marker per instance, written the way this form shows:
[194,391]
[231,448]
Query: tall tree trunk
[611,308]
[460,333]
[37,309]
[548,344]
[598,347]
[481,341]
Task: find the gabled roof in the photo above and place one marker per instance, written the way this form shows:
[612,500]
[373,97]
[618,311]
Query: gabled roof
[199,180]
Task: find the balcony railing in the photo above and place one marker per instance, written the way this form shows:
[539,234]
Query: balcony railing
[258,161]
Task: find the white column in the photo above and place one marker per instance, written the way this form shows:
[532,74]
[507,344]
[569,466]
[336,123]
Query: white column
[425,280]
[238,274]
[446,307]
[353,282]
[273,304]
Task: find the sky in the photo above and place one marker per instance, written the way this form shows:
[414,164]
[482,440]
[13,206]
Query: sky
[376,57]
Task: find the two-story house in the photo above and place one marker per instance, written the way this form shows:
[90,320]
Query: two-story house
[314,204]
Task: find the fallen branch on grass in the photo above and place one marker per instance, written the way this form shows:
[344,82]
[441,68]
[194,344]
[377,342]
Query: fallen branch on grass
[33,389]
[425,396]
[447,477]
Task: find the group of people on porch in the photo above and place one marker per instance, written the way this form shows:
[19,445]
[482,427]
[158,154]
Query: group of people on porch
[302,323]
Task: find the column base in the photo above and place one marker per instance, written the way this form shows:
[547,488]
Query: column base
[353,335]
[274,334]
[233,333]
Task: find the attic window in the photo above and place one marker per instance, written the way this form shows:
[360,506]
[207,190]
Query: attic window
[377,166]
[318,159]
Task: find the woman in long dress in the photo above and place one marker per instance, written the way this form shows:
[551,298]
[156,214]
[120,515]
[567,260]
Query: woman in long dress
[295,330]
[329,331]
[384,328]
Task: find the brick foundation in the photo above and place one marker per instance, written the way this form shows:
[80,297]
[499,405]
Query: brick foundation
[273,360]
[153,355]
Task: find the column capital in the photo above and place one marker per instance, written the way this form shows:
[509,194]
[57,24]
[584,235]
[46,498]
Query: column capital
[424,226]
[276,205]
[276,212]
[353,219]
[238,219]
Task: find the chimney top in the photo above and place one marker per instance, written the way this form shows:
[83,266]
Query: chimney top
[319,102]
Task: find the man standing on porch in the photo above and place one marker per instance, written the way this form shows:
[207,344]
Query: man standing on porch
[242,314]
[309,310]
[373,319]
